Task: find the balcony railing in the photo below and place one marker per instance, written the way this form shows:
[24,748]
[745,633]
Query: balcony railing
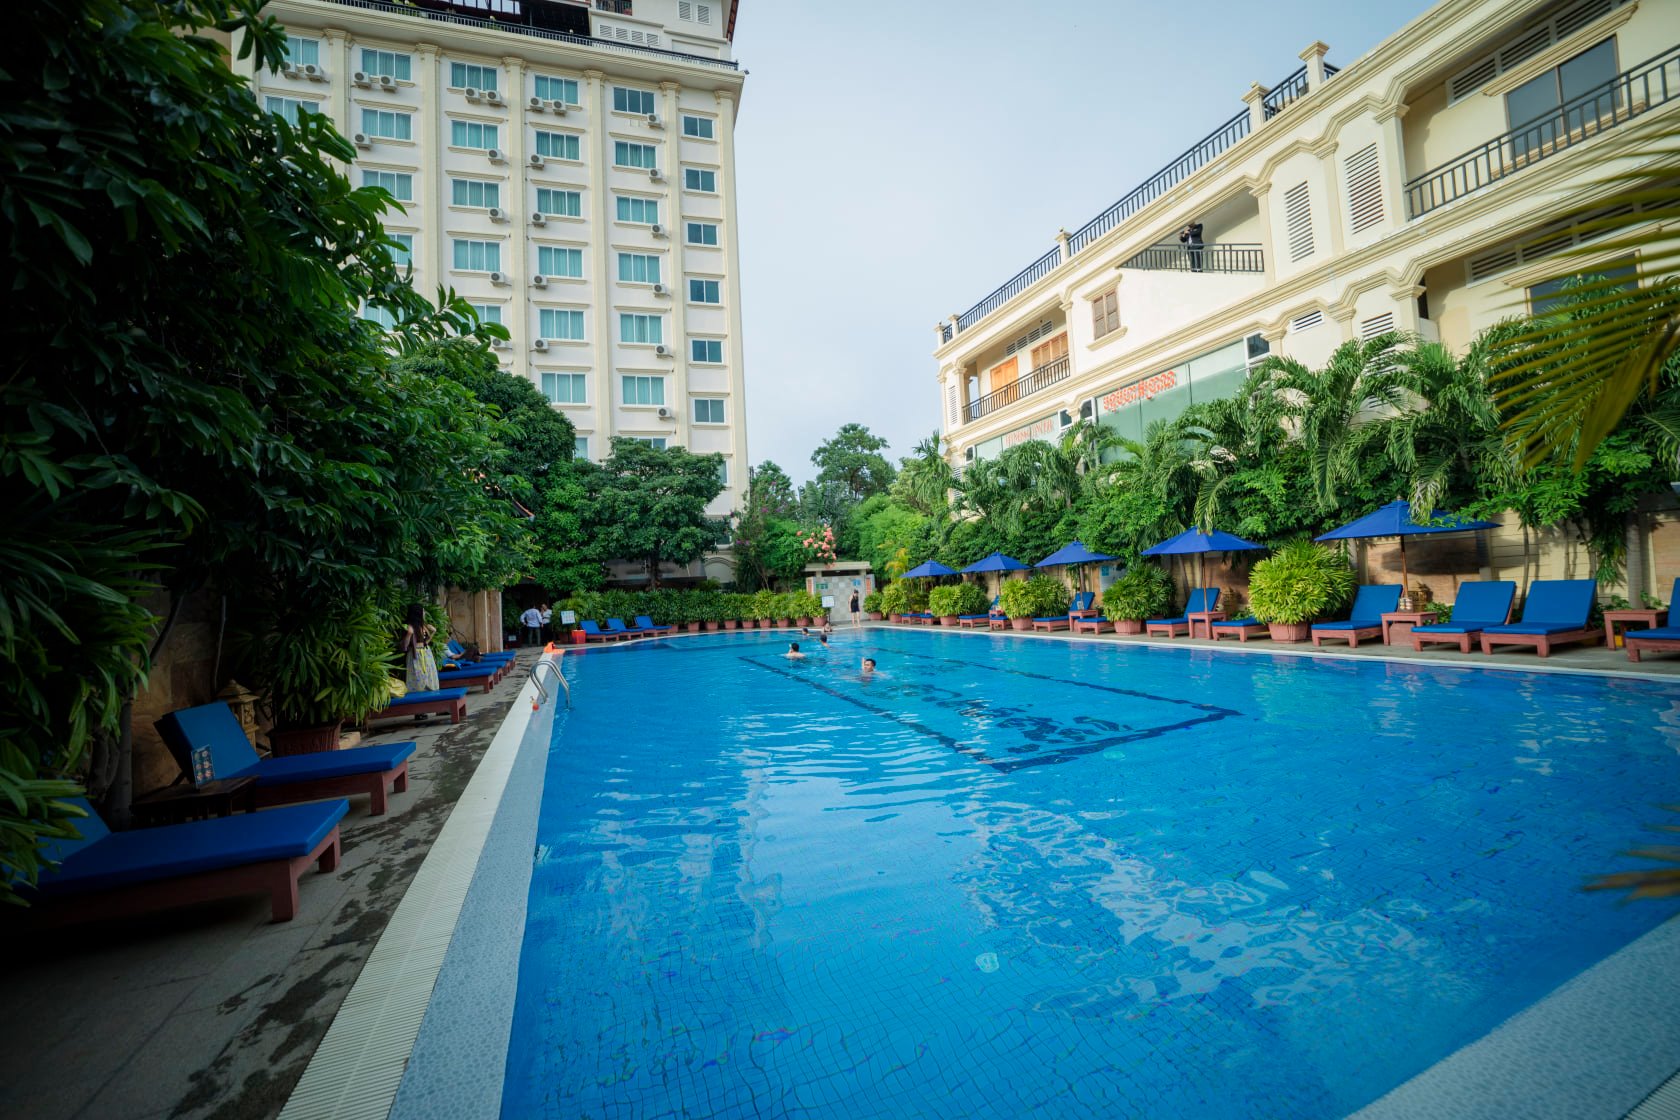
[1041,378]
[1628,95]
[1222,257]
[534,32]
[1203,152]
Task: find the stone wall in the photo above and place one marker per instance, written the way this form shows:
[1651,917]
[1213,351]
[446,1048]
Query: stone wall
[185,674]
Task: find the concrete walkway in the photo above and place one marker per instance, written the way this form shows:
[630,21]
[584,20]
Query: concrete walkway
[212,1011]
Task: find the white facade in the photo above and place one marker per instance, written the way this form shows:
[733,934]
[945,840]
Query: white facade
[1417,189]
[577,186]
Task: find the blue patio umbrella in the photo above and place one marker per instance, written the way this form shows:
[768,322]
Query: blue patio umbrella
[996,562]
[1073,553]
[1195,542]
[1395,520]
[928,569]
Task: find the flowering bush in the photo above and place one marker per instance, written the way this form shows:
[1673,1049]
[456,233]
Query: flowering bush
[819,545]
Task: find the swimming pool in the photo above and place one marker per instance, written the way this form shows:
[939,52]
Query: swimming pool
[1026,878]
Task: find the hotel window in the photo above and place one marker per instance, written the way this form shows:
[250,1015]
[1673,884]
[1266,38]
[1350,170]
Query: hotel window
[696,179]
[641,210]
[566,388]
[558,145]
[702,233]
[644,390]
[1537,102]
[655,442]
[555,260]
[634,155]
[641,328]
[388,125]
[472,134]
[1551,295]
[632,100]
[708,351]
[384,316]
[303,52]
[402,253]
[467,75]
[638,268]
[708,410]
[580,447]
[475,192]
[703,291]
[559,323]
[487,312]
[698,127]
[290,108]
[398,185]
[562,204]
[723,471]
[1105,313]
[385,64]
[478,256]
[563,90]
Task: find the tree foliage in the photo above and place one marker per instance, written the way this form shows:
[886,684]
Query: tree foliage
[650,505]
[852,461]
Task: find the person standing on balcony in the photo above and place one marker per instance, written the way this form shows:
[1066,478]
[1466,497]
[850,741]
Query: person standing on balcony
[1191,238]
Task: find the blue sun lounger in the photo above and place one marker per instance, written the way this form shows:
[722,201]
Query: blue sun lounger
[485,677]
[1364,618]
[1481,603]
[972,619]
[643,622]
[1079,608]
[106,874]
[592,632]
[1554,614]
[451,702]
[1202,600]
[616,626]
[280,781]
[459,653]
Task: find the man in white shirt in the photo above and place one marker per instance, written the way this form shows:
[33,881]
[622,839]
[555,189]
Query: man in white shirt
[531,620]
[547,618]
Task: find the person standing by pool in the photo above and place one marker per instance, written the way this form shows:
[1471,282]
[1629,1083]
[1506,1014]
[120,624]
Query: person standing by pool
[416,647]
[531,624]
[547,617]
[855,605]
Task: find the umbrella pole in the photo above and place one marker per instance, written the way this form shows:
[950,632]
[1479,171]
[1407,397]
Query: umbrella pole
[1405,576]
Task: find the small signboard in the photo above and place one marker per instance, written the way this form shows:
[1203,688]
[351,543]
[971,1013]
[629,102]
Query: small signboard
[568,618]
[203,766]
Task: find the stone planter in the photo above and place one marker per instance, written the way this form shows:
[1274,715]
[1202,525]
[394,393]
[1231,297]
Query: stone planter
[1020,623]
[895,617]
[283,741]
[802,620]
[1128,626]
[1290,631]
[874,616]
[785,623]
[947,620]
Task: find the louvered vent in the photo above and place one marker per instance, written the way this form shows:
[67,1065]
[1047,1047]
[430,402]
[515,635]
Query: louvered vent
[685,10]
[1546,241]
[1305,322]
[705,14]
[1527,43]
[1297,217]
[1490,263]
[1364,189]
[1029,338]
[1376,325]
[950,407]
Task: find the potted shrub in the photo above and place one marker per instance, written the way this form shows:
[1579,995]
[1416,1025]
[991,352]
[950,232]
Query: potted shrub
[709,608]
[1298,584]
[784,610]
[763,608]
[318,666]
[1026,599]
[894,600]
[947,603]
[1143,592]
[872,606]
[731,609]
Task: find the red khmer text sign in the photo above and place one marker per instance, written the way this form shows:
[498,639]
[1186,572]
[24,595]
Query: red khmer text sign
[1139,391]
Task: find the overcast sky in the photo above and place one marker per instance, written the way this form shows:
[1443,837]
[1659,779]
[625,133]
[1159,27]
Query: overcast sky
[896,162]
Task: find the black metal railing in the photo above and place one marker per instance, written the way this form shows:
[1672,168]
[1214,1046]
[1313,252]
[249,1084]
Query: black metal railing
[1029,276]
[513,28]
[1222,257]
[1041,378]
[1289,91]
[1200,154]
[1630,94]
[945,331]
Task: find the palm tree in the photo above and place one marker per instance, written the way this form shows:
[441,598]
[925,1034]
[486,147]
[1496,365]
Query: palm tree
[1448,431]
[925,480]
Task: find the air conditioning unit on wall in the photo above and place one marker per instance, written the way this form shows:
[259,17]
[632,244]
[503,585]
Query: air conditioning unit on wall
[663,413]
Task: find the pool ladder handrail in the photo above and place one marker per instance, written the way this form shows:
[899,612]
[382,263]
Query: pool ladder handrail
[565,686]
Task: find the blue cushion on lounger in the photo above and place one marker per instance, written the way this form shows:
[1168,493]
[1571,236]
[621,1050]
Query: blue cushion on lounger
[1446,628]
[1249,621]
[1661,633]
[647,623]
[232,756]
[477,674]
[430,697]
[101,859]
[1372,602]
[1201,599]
[1481,603]
[1553,605]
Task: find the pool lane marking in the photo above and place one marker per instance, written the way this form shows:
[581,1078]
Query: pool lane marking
[1002,765]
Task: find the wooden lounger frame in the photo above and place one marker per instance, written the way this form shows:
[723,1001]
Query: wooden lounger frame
[1648,645]
[1464,641]
[1351,637]
[1542,643]
[1241,630]
[343,785]
[453,707]
[1091,625]
[1050,623]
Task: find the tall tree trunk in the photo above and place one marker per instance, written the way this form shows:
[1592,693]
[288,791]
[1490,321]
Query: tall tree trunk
[1634,561]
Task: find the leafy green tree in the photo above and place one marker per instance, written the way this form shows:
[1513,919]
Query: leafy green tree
[189,393]
[925,480]
[852,460]
[650,505]
[568,556]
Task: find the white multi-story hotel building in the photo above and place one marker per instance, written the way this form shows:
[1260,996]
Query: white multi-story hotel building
[569,169]
[1417,189]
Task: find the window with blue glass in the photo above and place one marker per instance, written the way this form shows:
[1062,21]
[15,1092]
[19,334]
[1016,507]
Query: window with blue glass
[487,312]
[708,410]
[388,125]
[386,64]
[703,291]
[560,204]
[698,127]
[627,100]
[566,388]
[467,75]
[626,154]
[563,90]
[699,179]
[558,260]
[557,145]
[303,52]
[290,108]
[397,184]
[642,210]
[477,256]
[580,447]
[702,233]
[402,253]
[706,350]
[475,192]
[472,134]
[560,323]
[640,328]
[638,268]
[644,390]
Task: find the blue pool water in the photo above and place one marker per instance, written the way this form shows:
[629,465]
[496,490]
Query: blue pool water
[1044,879]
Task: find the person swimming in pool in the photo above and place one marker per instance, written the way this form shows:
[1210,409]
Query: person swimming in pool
[868,667]
[793,653]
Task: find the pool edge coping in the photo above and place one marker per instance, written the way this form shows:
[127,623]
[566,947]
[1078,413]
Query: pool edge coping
[357,1069]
